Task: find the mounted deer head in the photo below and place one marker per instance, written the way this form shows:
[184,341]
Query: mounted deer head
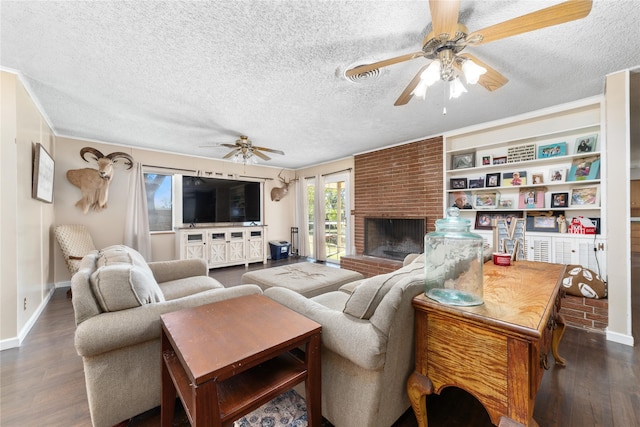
[277,193]
[94,183]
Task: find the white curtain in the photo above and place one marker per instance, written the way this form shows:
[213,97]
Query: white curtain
[302,217]
[321,248]
[136,228]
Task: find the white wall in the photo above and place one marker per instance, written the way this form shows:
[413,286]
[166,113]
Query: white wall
[26,223]
[617,129]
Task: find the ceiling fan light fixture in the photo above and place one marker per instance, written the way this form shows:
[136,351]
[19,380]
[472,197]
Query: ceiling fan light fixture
[432,73]
[456,88]
[472,71]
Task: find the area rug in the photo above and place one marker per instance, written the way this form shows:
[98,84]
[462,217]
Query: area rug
[287,410]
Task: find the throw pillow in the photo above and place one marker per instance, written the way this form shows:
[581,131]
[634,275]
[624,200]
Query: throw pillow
[582,282]
[122,286]
[367,296]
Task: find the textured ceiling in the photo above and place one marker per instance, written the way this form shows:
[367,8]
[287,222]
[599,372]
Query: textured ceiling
[175,76]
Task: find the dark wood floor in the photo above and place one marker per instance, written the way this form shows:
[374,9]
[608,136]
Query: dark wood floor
[42,382]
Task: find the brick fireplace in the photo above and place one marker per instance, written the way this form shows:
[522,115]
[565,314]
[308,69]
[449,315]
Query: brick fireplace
[401,182]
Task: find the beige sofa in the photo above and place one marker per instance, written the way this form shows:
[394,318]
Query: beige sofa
[367,344]
[118,299]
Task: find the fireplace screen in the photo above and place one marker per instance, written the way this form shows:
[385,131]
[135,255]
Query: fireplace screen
[393,238]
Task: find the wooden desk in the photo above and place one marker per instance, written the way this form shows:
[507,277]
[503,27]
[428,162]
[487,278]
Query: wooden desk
[227,358]
[496,351]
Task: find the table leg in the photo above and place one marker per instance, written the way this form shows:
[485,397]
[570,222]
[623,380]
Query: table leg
[418,387]
[168,388]
[313,385]
[558,332]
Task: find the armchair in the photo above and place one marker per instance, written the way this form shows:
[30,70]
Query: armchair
[367,344]
[118,299]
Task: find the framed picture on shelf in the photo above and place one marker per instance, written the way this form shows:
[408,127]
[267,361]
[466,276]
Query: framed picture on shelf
[484,219]
[458,183]
[585,196]
[500,160]
[486,160]
[586,144]
[552,150]
[488,200]
[43,171]
[507,202]
[463,161]
[531,198]
[492,180]
[537,178]
[559,200]
[510,179]
[476,183]
[584,169]
[460,199]
[547,221]
[596,223]
[557,175]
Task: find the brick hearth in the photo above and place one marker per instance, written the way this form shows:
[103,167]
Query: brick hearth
[398,182]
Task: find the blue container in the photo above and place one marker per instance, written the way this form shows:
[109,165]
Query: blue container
[279,249]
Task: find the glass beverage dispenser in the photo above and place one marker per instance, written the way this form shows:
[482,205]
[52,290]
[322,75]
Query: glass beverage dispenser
[453,262]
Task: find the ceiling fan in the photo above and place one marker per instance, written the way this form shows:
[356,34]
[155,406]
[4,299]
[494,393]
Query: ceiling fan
[444,44]
[243,151]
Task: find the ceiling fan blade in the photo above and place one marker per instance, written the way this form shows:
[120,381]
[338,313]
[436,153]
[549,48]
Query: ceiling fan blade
[234,146]
[550,16]
[232,153]
[369,67]
[406,95]
[259,154]
[270,150]
[444,18]
[491,80]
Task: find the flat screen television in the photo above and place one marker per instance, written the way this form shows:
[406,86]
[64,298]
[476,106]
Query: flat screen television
[214,200]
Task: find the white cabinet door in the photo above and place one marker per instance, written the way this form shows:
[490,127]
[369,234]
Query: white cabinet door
[255,243]
[193,245]
[236,245]
[217,248]
[538,248]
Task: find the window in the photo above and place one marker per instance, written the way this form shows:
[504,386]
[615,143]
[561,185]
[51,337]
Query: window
[159,190]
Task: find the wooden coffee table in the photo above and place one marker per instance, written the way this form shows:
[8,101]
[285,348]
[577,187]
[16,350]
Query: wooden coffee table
[227,358]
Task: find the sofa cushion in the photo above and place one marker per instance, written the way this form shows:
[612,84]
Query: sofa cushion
[365,298]
[179,288]
[123,280]
[582,282]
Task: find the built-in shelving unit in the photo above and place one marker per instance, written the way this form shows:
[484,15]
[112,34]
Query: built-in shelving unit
[538,167]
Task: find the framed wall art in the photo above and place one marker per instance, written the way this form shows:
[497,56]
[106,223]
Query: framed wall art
[476,183]
[463,161]
[584,169]
[458,183]
[486,200]
[500,160]
[531,198]
[557,175]
[484,219]
[552,150]
[43,172]
[585,196]
[492,180]
[460,199]
[510,179]
[559,200]
[586,144]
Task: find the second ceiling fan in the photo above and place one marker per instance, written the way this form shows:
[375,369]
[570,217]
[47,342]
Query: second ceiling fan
[444,44]
[243,150]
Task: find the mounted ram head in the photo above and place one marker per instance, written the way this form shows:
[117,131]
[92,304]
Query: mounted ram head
[94,183]
[277,193]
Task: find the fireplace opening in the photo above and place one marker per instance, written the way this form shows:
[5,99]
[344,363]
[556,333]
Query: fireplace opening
[393,238]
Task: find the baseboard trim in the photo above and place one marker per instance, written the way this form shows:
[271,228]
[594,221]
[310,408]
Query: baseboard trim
[17,341]
[620,338]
